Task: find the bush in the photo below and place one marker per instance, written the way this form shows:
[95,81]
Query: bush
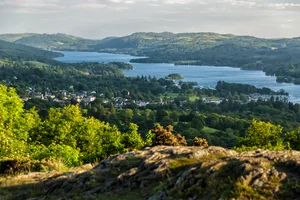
[200,142]
[262,135]
[165,137]
[132,140]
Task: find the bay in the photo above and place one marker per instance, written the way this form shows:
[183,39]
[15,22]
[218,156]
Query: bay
[204,76]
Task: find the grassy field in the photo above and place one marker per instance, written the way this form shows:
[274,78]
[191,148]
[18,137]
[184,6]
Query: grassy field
[193,98]
[36,63]
[171,96]
[209,130]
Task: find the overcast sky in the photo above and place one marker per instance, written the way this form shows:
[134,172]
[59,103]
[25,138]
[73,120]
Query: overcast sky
[102,18]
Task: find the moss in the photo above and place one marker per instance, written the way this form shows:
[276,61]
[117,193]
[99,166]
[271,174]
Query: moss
[160,186]
[242,191]
[182,162]
[285,190]
[124,165]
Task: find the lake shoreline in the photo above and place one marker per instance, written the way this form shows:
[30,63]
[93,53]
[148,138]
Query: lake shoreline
[204,76]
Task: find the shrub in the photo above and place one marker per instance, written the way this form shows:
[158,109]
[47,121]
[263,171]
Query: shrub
[132,140]
[150,137]
[263,135]
[200,142]
[165,137]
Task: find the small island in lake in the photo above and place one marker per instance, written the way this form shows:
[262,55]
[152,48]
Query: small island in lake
[175,76]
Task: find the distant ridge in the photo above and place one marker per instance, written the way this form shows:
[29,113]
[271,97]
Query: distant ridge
[57,41]
[9,50]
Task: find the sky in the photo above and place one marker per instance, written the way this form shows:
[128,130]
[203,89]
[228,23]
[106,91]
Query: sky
[97,19]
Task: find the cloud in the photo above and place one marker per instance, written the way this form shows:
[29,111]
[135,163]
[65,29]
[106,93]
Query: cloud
[178,1]
[90,5]
[240,3]
[88,18]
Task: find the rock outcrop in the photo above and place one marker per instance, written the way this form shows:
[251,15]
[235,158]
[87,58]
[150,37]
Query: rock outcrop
[181,173]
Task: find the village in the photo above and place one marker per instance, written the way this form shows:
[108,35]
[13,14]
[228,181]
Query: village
[85,98]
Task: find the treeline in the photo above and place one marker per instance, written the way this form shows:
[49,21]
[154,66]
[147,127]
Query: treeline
[224,87]
[106,79]
[66,136]
[229,120]
[20,52]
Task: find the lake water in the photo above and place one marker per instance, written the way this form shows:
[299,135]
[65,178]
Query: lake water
[205,76]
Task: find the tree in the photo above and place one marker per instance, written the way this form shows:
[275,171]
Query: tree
[198,122]
[132,140]
[263,135]
[15,124]
[293,139]
[88,138]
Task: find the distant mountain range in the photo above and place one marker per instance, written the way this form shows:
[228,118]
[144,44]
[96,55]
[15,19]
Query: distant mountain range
[143,43]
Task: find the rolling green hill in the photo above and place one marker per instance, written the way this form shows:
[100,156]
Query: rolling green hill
[167,43]
[14,51]
[278,57]
[57,41]
[13,37]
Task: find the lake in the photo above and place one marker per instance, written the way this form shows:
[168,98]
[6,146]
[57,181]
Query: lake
[205,76]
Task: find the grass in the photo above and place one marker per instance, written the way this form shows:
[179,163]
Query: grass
[182,162]
[125,194]
[37,64]
[30,184]
[194,98]
[209,130]
[170,95]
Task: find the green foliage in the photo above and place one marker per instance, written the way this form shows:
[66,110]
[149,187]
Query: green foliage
[107,79]
[15,124]
[91,138]
[263,135]
[174,76]
[293,139]
[14,51]
[57,41]
[65,135]
[226,88]
[150,137]
[68,155]
[132,139]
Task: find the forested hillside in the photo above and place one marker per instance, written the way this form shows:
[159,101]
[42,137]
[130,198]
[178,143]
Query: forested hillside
[10,37]
[14,51]
[274,56]
[57,41]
